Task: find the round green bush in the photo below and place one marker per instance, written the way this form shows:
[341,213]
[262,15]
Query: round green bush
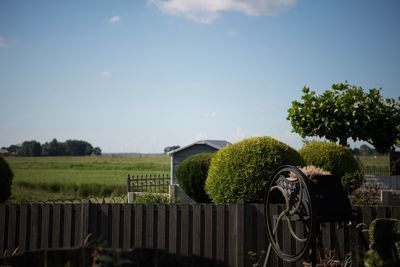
[192,174]
[6,176]
[336,159]
[241,171]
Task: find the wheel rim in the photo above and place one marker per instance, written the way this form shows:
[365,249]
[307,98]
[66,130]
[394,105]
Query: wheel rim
[290,188]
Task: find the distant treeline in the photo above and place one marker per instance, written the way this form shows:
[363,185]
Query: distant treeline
[54,148]
[364,150]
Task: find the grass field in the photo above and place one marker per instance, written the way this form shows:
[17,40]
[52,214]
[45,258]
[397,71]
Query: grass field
[49,178]
[380,160]
[44,178]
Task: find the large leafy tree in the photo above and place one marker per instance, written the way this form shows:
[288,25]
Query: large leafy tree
[347,111]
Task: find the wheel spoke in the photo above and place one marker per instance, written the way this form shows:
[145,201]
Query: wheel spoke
[292,233]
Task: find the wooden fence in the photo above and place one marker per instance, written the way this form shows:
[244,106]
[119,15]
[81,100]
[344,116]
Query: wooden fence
[148,183]
[224,232]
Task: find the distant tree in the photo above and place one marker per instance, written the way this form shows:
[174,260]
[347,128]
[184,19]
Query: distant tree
[170,148]
[78,148]
[346,111]
[366,150]
[30,149]
[54,148]
[96,151]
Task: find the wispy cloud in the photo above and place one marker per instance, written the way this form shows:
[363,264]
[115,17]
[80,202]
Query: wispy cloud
[232,33]
[114,19]
[3,42]
[211,114]
[206,11]
[106,73]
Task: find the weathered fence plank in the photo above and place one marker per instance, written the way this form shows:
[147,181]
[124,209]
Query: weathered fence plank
[196,232]
[208,231]
[221,224]
[56,235]
[35,227]
[45,227]
[162,227]
[173,229]
[150,226]
[185,231]
[115,226]
[139,226]
[67,229]
[77,221]
[127,215]
[23,228]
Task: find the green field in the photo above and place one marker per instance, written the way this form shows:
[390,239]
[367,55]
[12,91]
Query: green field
[44,178]
[380,160]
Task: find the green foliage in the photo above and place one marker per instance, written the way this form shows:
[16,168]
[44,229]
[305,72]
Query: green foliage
[30,148]
[6,176]
[82,190]
[54,148]
[241,171]
[384,242]
[336,159]
[96,151]
[78,148]
[346,111]
[154,198]
[192,174]
[256,259]
[367,196]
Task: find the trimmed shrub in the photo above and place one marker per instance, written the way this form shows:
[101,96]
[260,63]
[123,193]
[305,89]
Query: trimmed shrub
[6,176]
[241,171]
[192,175]
[336,159]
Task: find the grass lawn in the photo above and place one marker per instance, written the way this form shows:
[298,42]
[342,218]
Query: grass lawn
[44,178]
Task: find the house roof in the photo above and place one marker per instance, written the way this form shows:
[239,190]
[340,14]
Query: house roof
[217,144]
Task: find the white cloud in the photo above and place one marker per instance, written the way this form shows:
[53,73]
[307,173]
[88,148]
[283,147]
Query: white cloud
[206,11]
[106,73]
[3,42]
[211,114]
[114,19]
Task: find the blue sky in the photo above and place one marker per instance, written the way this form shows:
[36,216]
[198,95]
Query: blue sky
[137,76]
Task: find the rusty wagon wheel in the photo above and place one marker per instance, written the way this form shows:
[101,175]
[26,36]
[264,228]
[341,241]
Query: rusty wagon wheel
[289,193]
